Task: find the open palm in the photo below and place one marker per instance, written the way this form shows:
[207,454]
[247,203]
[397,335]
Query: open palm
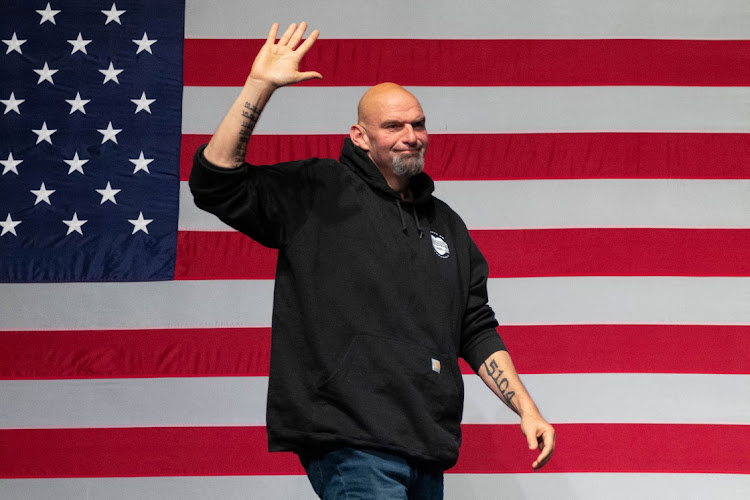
[278,63]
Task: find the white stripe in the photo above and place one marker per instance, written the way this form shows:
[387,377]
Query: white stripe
[136,402]
[517,301]
[192,218]
[160,488]
[621,300]
[594,203]
[118,306]
[684,19]
[568,486]
[571,203]
[575,398]
[332,110]
[239,401]
[598,486]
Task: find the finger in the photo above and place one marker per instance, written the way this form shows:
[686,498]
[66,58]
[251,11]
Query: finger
[272,33]
[297,36]
[287,34]
[547,447]
[302,50]
[542,459]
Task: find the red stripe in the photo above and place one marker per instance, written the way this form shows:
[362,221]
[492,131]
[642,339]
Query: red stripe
[134,353]
[222,255]
[718,349]
[516,253]
[364,62]
[644,448]
[210,451]
[615,252]
[245,351]
[129,452]
[533,156]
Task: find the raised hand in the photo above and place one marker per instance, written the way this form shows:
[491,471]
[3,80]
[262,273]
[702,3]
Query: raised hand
[277,64]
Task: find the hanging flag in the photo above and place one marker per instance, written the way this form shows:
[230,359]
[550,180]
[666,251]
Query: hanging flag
[597,152]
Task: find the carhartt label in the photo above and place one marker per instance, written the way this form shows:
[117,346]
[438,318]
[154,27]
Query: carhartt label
[435,365]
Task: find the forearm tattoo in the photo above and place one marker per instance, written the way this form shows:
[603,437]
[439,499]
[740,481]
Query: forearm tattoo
[250,116]
[501,382]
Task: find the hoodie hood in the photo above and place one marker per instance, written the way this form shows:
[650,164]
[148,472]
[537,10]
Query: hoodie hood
[357,159]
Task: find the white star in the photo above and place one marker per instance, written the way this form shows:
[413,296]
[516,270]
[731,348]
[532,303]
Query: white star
[9,226]
[44,134]
[10,164]
[74,224]
[45,74]
[140,224]
[79,44]
[110,134]
[108,194]
[143,103]
[14,44]
[48,14]
[75,164]
[113,15]
[11,104]
[42,194]
[141,163]
[77,104]
[144,44]
[110,74]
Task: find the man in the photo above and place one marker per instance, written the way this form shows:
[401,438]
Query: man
[379,290]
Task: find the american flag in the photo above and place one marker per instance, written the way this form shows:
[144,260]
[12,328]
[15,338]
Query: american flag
[597,150]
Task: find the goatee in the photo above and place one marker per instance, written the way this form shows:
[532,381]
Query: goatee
[408,165]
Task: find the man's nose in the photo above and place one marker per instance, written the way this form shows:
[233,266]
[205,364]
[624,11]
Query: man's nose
[410,136]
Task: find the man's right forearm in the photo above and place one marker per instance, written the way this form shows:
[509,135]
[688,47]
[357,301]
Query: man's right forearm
[276,65]
[228,145]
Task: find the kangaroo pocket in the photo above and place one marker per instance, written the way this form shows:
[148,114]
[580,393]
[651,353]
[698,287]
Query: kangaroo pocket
[396,395]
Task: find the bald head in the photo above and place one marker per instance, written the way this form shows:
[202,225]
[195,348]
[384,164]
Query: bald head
[381,97]
[391,129]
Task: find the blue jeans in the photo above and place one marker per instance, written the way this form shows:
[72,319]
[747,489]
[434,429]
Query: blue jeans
[349,473]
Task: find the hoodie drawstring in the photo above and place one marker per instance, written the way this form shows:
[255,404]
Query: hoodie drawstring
[401,213]
[416,219]
[403,221]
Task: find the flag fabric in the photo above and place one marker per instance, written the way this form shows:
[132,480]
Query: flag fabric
[598,152]
[90,186]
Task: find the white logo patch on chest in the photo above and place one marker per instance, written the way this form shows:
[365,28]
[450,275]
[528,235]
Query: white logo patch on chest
[439,245]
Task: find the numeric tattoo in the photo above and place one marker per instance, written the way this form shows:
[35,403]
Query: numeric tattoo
[501,382]
[251,114]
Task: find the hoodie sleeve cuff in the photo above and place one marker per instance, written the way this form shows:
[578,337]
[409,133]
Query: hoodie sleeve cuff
[489,344]
[206,178]
[201,159]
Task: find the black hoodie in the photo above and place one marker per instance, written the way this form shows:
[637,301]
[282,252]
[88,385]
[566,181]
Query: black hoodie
[375,299]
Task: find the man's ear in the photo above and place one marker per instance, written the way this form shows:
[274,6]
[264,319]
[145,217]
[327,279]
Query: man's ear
[359,137]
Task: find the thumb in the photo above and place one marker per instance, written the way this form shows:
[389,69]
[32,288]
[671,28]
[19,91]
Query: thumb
[309,75]
[533,442]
